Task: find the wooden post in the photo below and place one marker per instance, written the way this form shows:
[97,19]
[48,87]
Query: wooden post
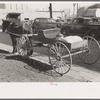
[10,6]
[16,7]
[50,9]
[74,9]
[22,6]
[77,9]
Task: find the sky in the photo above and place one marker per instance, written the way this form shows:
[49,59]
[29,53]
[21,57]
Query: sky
[59,6]
[55,5]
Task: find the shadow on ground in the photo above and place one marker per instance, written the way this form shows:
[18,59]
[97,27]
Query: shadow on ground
[80,63]
[33,65]
[3,51]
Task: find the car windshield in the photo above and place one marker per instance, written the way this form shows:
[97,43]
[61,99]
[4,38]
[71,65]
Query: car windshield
[89,20]
[78,21]
[51,21]
[43,20]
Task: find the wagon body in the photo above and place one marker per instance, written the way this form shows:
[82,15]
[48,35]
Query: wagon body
[49,36]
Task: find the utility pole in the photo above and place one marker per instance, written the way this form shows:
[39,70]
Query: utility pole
[10,6]
[16,7]
[77,9]
[22,6]
[69,13]
[27,7]
[50,9]
[74,9]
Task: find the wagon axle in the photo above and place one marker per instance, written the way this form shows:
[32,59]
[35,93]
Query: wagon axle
[58,57]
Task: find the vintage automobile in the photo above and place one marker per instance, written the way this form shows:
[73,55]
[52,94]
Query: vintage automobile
[82,26]
[44,23]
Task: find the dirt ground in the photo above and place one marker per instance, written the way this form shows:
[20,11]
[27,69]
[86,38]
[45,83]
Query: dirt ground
[18,69]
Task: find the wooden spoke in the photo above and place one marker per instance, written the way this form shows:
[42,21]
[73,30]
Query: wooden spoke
[60,65]
[93,53]
[24,47]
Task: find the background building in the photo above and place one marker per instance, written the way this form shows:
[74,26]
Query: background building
[26,12]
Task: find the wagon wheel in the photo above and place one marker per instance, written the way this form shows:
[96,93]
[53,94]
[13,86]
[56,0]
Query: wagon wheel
[92,53]
[60,58]
[24,47]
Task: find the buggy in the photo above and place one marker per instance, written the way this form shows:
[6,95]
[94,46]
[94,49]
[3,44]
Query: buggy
[60,49]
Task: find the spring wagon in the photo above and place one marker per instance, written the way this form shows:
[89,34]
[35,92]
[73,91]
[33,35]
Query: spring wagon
[60,49]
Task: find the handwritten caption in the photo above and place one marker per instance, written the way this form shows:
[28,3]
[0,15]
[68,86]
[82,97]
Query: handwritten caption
[53,84]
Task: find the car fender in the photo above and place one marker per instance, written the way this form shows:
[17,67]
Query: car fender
[65,27]
[96,30]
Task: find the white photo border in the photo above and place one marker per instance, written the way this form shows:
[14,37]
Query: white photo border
[44,90]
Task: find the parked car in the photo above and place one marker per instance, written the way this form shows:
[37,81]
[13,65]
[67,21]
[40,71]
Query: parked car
[81,26]
[44,23]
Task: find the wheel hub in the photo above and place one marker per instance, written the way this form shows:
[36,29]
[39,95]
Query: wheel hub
[58,57]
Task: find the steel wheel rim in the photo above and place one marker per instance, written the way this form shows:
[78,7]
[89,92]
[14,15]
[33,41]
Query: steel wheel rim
[93,53]
[60,64]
